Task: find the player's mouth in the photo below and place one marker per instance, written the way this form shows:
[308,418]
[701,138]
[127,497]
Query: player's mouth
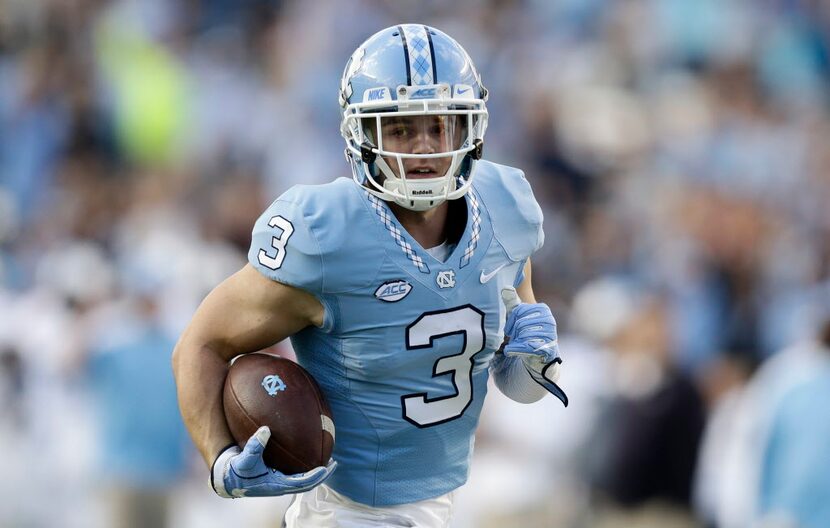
[422,172]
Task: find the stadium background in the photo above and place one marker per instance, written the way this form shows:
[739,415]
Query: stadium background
[680,150]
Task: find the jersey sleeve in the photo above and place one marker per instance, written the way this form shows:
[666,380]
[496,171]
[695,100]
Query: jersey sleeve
[284,248]
[517,217]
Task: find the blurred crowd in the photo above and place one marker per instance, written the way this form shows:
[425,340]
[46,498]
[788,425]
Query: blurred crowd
[680,150]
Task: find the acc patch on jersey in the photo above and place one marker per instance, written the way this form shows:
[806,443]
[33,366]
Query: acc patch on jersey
[393,291]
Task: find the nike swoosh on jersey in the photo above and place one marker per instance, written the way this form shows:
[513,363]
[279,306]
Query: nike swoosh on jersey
[487,276]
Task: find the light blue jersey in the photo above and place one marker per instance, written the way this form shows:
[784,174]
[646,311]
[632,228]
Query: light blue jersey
[404,351]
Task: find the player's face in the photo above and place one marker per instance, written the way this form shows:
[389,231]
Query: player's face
[430,134]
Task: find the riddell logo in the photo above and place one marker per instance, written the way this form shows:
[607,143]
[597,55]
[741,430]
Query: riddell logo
[422,193]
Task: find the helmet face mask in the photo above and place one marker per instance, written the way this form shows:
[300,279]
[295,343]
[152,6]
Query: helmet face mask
[409,139]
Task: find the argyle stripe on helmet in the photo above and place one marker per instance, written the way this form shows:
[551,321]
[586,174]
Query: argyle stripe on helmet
[418,45]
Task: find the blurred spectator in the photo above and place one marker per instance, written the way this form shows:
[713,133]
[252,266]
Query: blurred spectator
[646,440]
[748,437]
[795,473]
[143,446]
[13,421]
[11,387]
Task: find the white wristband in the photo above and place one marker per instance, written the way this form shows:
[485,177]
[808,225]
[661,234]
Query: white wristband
[513,380]
[220,466]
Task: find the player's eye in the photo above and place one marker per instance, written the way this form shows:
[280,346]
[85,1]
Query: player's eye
[398,131]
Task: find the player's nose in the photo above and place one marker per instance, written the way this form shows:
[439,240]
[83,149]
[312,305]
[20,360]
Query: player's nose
[423,143]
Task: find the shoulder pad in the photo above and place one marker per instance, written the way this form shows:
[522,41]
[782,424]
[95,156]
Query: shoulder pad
[310,238]
[516,216]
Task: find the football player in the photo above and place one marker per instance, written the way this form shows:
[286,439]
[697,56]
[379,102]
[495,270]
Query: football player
[397,288]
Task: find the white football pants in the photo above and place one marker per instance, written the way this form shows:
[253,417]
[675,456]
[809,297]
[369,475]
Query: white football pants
[322,507]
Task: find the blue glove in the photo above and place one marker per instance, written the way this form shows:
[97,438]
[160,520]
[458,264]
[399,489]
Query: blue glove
[243,473]
[531,333]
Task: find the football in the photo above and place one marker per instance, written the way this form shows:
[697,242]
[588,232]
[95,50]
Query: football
[264,389]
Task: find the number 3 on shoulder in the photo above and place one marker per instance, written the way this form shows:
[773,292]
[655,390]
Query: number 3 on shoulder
[277,243]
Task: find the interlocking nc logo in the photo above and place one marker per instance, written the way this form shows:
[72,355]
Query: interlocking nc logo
[272,384]
[445,279]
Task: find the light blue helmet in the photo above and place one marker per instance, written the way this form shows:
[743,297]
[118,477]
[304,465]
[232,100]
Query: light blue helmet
[399,75]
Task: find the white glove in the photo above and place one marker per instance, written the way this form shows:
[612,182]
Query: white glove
[531,333]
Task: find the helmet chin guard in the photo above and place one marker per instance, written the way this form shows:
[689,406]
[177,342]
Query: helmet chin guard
[414,116]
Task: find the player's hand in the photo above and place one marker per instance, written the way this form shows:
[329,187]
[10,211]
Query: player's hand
[531,330]
[531,335]
[243,473]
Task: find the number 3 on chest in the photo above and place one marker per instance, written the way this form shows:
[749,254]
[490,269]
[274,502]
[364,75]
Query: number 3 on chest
[466,320]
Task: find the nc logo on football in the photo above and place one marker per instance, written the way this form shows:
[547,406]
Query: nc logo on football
[393,291]
[272,384]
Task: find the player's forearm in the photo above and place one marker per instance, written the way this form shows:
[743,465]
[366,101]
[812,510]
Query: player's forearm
[200,375]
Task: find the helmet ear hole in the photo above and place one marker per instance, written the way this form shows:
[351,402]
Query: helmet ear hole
[366,154]
[478,149]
